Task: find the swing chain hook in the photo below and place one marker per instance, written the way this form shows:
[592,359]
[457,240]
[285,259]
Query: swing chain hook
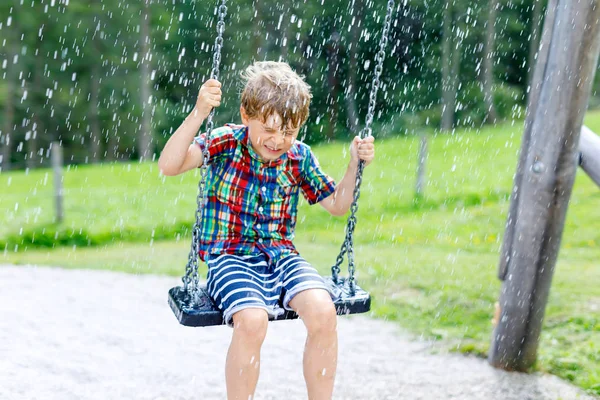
[191,269]
[348,244]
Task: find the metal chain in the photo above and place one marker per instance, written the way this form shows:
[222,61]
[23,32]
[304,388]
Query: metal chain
[191,269]
[348,245]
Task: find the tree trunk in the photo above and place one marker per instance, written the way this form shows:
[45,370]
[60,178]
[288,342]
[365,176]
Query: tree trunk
[488,63]
[95,131]
[449,67]
[112,132]
[548,173]
[145,147]
[350,95]
[332,80]
[36,129]
[258,42]
[33,159]
[285,29]
[9,110]
[455,74]
[447,106]
[112,143]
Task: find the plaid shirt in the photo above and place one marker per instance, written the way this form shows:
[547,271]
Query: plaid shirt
[252,204]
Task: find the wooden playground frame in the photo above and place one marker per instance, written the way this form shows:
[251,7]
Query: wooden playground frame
[554,143]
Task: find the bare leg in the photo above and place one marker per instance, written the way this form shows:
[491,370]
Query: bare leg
[243,358]
[317,311]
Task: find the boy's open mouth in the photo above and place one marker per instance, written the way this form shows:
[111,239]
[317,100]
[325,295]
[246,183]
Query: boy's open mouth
[272,150]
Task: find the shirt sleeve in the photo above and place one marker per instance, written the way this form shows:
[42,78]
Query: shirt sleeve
[316,185]
[222,142]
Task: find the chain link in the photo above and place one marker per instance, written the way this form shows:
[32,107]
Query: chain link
[191,269]
[348,245]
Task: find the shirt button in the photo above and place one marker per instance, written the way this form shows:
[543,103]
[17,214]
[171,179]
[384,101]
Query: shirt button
[260,240]
[260,209]
[264,189]
[257,226]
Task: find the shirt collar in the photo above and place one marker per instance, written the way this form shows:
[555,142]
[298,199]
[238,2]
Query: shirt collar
[240,133]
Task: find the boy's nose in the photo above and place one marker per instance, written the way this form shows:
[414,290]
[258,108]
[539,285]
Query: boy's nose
[279,139]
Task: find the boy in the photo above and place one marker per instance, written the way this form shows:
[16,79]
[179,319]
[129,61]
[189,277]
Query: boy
[256,173]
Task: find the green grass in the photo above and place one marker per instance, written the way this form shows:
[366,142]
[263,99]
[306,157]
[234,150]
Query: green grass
[430,263]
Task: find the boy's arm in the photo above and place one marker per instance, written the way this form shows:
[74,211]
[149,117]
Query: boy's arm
[178,156]
[339,202]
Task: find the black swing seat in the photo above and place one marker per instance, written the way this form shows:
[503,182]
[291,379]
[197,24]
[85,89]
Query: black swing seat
[205,313]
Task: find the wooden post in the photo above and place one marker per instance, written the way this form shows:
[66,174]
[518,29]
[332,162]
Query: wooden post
[534,89]
[57,163]
[421,167]
[547,167]
[589,154]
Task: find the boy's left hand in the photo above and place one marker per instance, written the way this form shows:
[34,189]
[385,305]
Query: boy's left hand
[363,149]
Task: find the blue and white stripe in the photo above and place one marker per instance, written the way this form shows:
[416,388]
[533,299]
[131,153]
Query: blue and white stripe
[236,282]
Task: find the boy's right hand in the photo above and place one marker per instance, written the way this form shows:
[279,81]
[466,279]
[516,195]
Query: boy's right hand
[208,97]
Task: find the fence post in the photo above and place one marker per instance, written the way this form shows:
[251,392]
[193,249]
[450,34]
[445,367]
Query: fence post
[420,187]
[57,164]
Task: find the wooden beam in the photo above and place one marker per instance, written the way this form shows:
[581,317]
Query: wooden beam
[57,166]
[589,154]
[421,180]
[534,89]
[548,166]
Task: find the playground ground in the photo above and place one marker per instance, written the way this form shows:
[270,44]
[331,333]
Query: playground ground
[83,334]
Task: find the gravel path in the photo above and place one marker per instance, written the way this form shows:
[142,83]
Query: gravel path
[102,335]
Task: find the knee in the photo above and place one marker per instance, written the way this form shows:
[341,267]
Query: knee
[321,319]
[250,325]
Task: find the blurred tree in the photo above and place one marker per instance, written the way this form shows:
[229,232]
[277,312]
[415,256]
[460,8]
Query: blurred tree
[145,141]
[333,64]
[85,71]
[488,62]
[356,13]
[451,58]
[8,95]
[95,77]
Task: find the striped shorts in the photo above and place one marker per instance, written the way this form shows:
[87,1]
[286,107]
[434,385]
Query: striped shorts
[236,282]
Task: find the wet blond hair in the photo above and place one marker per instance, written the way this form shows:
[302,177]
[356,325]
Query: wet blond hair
[273,87]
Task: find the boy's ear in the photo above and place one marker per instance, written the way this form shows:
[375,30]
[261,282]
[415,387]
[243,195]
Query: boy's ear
[244,115]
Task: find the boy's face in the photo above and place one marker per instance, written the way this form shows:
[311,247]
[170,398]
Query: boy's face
[269,139]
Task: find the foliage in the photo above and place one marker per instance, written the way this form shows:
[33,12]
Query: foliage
[64,48]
